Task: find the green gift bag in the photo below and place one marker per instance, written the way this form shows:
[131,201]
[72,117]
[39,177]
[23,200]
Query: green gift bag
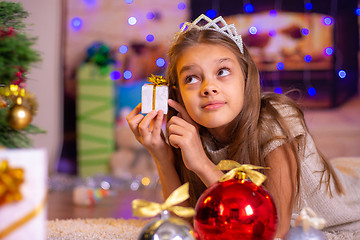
[95,120]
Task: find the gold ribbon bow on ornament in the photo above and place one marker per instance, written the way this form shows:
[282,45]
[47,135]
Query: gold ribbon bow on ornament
[308,218]
[156,81]
[10,181]
[240,171]
[143,208]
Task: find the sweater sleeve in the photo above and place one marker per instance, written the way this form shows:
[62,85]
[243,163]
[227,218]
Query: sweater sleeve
[272,135]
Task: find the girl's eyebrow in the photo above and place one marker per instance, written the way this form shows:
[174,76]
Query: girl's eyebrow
[186,68]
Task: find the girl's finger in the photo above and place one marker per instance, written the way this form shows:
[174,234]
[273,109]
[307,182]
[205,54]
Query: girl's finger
[134,112]
[158,123]
[178,107]
[144,126]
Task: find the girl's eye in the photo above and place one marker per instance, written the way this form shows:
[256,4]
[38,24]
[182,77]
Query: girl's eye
[223,72]
[191,80]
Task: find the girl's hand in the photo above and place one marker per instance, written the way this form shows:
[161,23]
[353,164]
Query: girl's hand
[147,130]
[184,134]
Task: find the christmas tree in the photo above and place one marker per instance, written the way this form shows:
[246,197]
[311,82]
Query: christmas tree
[17,105]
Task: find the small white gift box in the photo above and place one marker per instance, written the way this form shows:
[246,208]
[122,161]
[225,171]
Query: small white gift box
[155,96]
[24,218]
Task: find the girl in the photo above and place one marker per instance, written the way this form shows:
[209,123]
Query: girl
[217,112]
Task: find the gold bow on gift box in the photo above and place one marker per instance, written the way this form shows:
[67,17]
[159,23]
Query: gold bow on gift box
[241,171]
[156,81]
[143,208]
[10,181]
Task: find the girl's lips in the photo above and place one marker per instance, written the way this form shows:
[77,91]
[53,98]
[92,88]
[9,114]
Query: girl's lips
[213,105]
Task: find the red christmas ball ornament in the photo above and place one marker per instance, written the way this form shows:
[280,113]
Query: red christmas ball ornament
[236,208]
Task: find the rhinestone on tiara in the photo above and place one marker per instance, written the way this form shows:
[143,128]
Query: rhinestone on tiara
[227,30]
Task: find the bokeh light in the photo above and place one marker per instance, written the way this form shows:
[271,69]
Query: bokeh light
[132,21]
[278,90]
[249,8]
[329,51]
[160,62]
[123,49]
[307,58]
[357,11]
[211,13]
[181,6]
[308,6]
[272,33]
[127,74]
[327,20]
[342,74]
[150,38]
[115,75]
[311,91]
[90,3]
[280,66]
[150,15]
[129,1]
[305,31]
[253,30]
[273,13]
[76,23]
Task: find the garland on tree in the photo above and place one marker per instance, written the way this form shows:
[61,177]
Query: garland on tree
[17,106]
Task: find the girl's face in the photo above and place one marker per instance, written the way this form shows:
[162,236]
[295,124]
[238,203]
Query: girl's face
[211,84]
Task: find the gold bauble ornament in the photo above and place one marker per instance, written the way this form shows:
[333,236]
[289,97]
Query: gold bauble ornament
[18,117]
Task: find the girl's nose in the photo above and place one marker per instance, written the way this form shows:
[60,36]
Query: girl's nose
[210,89]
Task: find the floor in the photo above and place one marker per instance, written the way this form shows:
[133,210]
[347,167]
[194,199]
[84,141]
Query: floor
[336,131]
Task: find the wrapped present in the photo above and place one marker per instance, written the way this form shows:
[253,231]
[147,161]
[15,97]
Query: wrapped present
[23,188]
[95,120]
[154,96]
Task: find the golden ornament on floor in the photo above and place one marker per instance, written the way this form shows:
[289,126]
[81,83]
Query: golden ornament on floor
[18,116]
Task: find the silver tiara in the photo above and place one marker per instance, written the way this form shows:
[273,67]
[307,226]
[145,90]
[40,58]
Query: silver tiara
[227,30]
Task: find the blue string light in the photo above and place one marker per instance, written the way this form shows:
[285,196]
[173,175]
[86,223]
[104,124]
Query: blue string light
[150,15]
[280,66]
[329,51]
[76,23]
[307,58]
[273,13]
[249,8]
[311,91]
[272,33]
[181,6]
[115,75]
[278,90]
[308,6]
[129,1]
[150,38]
[132,20]
[305,31]
[160,62]
[357,11]
[327,20]
[342,74]
[123,49]
[90,3]
[211,13]
[127,74]
[253,30]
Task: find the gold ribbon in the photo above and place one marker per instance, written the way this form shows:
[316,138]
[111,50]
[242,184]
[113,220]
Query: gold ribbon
[10,181]
[143,208]
[156,81]
[308,218]
[17,224]
[240,171]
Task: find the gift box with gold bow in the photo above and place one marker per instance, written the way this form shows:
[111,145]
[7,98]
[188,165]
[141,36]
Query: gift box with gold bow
[154,96]
[23,176]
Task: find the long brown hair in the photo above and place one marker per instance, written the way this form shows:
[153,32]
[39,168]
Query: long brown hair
[244,133]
